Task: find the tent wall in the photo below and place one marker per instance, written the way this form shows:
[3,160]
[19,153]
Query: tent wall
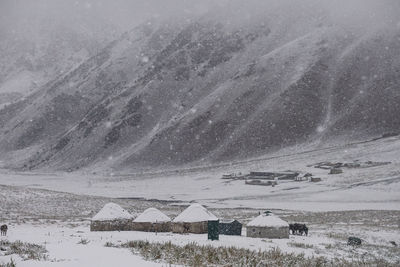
[151,227]
[267,232]
[115,225]
[194,227]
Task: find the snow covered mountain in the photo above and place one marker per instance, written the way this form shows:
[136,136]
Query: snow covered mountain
[233,84]
[36,49]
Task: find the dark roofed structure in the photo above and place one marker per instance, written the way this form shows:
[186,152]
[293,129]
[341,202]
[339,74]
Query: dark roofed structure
[230,227]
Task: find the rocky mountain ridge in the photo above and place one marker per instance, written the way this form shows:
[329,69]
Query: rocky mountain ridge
[211,89]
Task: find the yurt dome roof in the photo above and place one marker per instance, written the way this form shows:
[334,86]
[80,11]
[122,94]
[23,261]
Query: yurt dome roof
[195,213]
[152,215]
[112,211]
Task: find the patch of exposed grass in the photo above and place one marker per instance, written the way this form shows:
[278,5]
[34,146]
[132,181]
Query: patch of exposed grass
[8,264]
[193,254]
[109,244]
[339,236]
[27,251]
[83,241]
[387,219]
[300,245]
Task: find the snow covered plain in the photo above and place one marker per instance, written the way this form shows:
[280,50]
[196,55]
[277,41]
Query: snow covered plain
[64,244]
[356,189]
[53,209]
[69,241]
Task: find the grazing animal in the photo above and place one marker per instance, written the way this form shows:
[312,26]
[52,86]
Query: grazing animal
[305,228]
[298,229]
[291,228]
[3,230]
[354,241]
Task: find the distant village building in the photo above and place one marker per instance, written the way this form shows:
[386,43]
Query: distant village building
[272,176]
[152,220]
[194,220]
[299,179]
[267,226]
[230,227]
[315,179]
[111,217]
[262,183]
[336,171]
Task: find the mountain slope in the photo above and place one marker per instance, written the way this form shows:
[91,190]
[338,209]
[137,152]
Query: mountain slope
[37,48]
[212,89]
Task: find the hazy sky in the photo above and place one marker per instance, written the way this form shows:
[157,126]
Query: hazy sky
[123,13]
[127,13]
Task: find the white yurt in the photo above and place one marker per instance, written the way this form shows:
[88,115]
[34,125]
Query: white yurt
[267,225]
[193,219]
[111,217]
[152,220]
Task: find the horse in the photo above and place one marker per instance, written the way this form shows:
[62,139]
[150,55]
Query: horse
[292,228]
[303,229]
[3,230]
[298,229]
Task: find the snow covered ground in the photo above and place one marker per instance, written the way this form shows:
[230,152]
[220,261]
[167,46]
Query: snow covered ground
[53,209]
[64,244]
[64,250]
[356,189]
[59,222]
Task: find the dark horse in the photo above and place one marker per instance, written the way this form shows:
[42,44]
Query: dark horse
[298,229]
[3,229]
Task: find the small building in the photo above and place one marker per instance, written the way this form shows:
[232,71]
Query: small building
[261,183]
[230,227]
[267,225]
[152,220]
[336,171]
[111,217]
[261,176]
[298,179]
[272,175]
[315,179]
[193,219]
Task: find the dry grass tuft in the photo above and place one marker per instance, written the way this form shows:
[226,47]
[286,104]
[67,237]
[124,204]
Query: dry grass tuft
[27,251]
[193,254]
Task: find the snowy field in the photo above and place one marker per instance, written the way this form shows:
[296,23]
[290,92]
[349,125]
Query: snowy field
[60,223]
[53,209]
[65,248]
[356,189]
[70,243]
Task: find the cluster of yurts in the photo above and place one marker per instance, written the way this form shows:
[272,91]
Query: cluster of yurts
[194,219]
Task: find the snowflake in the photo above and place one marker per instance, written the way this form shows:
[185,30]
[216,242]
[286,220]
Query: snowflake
[320,129]
[108,124]
[145,59]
